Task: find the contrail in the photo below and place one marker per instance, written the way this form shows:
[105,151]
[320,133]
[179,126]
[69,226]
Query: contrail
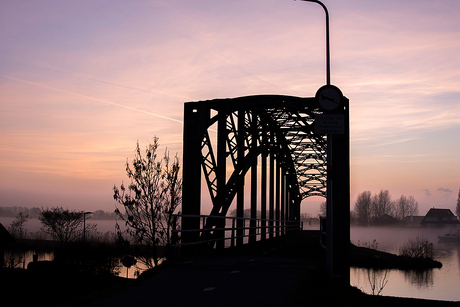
[60,70]
[89,97]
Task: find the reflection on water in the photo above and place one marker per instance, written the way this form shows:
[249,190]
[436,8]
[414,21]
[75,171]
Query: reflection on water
[420,279]
[438,284]
[131,272]
[20,259]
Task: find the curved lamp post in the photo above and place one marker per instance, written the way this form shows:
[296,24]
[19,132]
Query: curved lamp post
[338,183]
[328,57]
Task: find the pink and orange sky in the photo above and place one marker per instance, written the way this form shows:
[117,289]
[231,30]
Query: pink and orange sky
[82,81]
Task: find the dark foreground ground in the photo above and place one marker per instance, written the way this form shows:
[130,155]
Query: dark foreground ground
[287,272]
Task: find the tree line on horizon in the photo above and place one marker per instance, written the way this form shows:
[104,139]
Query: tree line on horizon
[34,213]
[368,208]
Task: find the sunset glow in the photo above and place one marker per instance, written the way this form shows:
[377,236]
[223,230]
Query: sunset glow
[82,82]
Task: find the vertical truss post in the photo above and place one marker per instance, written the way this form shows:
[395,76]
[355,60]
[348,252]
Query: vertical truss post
[283,201]
[277,172]
[338,201]
[221,179]
[240,164]
[292,210]
[329,211]
[263,196]
[253,147]
[263,188]
[341,199]
[196,117]
[252,222]
[272,209]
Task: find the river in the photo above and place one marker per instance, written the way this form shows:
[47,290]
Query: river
[436,284]
[33,232]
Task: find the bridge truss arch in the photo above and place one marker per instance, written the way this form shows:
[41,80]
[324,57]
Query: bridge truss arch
[268,138]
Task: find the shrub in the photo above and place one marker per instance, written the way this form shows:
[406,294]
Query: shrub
[419,247]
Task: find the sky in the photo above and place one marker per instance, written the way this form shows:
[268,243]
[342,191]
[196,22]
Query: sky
[82,81]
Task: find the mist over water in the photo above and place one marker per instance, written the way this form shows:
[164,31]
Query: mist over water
[437,284]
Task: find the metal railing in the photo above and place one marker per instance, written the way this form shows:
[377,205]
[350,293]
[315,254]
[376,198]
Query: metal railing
[252,229]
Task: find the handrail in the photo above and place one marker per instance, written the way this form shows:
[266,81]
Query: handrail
[275,228]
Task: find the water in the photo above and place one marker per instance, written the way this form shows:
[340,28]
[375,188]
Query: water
[33,226]
[435,284]
[22,259]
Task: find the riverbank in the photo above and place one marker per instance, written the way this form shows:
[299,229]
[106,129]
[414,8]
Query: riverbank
[361,257]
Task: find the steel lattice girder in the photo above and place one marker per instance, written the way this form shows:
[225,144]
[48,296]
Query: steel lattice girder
[252,125]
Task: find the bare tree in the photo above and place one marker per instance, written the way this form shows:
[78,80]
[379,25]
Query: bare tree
[17,228]
[406,206]
[150,200]
[412,205]
[64,225]
[363,208]
[382,204]
[377,280]
[402,208]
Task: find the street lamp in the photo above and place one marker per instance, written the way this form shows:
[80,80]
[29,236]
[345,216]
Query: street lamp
[328,57]
[84,225]
[337,231]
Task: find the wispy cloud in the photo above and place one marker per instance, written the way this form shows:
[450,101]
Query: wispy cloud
[427,192]
[444,190]
[90,98]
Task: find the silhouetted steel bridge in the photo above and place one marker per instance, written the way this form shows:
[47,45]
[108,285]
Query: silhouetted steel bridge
[284,149]
[267,143]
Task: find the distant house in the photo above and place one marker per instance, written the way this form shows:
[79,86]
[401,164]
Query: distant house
[439,218]
[385,220]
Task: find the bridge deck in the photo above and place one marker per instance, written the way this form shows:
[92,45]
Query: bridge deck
[263,274]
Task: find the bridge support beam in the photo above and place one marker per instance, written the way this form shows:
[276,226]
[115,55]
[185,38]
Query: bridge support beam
[195,126]
[338,203]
